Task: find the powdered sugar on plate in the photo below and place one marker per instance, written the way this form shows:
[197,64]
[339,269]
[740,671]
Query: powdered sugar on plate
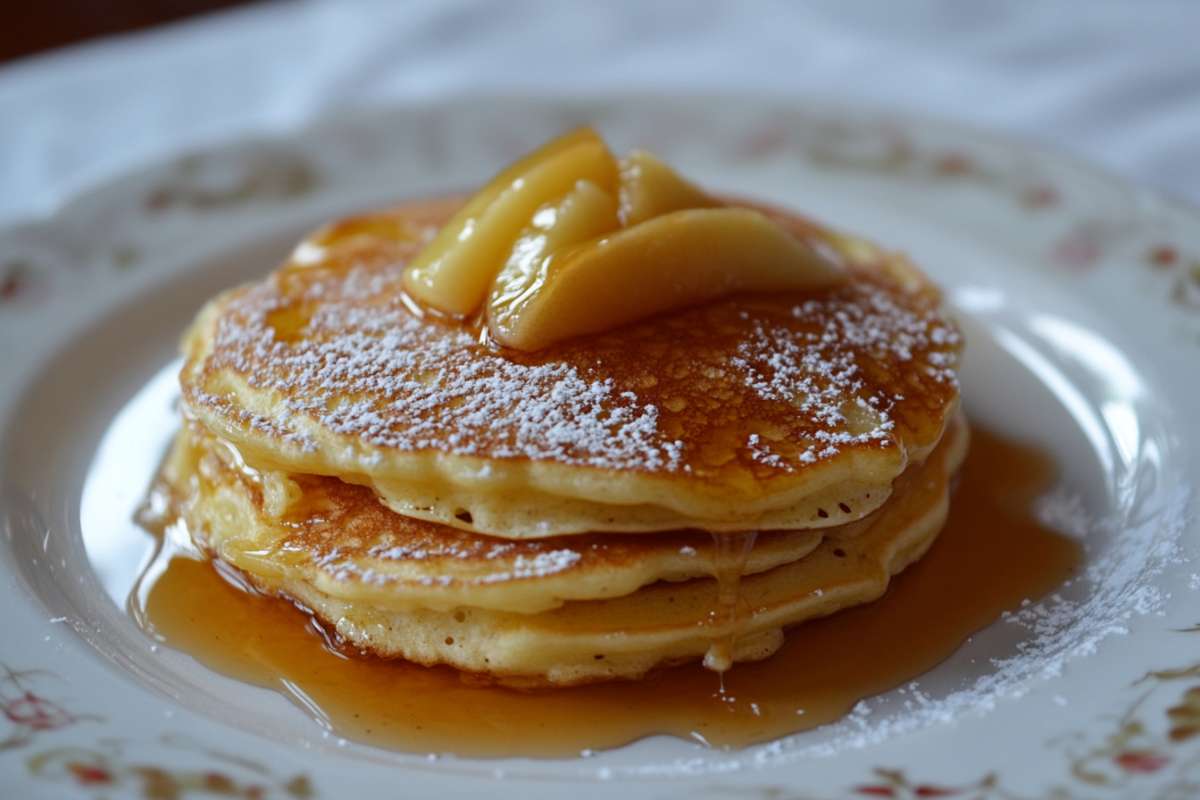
[1127,551]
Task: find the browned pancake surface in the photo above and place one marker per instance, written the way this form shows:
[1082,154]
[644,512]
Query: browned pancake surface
[737,394]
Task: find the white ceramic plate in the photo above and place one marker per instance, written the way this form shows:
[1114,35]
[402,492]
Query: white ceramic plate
[1081,300]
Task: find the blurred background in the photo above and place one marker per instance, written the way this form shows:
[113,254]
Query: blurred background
[89,88]
[44,26]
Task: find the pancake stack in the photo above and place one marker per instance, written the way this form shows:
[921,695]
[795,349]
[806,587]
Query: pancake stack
[680,488]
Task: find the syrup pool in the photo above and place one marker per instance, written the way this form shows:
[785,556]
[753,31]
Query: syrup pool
[992,555]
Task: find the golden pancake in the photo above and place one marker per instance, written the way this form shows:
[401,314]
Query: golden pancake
[342,541]
[587,423]
[783,412]
[658,624]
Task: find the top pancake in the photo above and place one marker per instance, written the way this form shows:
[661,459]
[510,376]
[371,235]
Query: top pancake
[788,411]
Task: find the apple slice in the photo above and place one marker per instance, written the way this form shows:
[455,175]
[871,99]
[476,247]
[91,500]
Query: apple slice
[648,188]
[586,213]
[453,272]
[674,261]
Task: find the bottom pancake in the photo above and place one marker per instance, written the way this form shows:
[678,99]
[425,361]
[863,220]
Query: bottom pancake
[661,623]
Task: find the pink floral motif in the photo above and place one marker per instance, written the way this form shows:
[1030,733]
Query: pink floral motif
[1186,292]
[763,141]
[886,149]
[1040,196]
[14,280]
[1080,248]
[108,769]
[263,173]
[27,712]
[1144,761]
[895,783]
[1163,255]
[36,713]
[954,164]
[30,715]
[89,775]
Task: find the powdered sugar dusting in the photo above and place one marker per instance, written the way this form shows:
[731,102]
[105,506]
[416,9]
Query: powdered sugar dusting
[387,381]
[344,355]
[1118,587]
[347,566]
[538,566]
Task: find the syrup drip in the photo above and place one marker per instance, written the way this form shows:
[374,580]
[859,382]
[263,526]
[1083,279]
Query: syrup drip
[730,551]
[992,555]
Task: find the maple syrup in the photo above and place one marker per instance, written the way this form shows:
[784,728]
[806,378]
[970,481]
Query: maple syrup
[992,555]
[730,553]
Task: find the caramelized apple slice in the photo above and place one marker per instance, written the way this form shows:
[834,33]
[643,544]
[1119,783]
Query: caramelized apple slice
[584,214]
[648,188]
[453,272]
[673,261]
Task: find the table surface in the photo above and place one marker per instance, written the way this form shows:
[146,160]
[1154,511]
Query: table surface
[1114,82]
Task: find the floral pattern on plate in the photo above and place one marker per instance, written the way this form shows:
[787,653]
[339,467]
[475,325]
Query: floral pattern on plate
[1142,737]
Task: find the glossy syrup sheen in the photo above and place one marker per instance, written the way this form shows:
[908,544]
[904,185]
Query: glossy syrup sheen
[992,555]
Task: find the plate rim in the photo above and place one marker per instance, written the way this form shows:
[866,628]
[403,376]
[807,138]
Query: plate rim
[965,131]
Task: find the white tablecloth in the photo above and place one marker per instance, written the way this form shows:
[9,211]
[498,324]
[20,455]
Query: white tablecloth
[1117,82]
